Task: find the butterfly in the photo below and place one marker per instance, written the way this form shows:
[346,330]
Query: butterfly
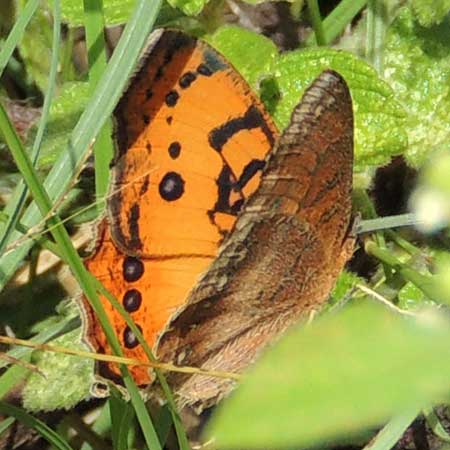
[220,232]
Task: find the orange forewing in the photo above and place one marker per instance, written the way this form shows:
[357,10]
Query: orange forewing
[191,142]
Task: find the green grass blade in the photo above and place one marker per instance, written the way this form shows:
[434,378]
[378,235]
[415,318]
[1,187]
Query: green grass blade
[386,223]
[122,416]
[147,428]
[94,26]
[14,207]
[163,423]
[13,376]
[335,23]
[5,424]
[435,424]
[24,163]
[103,147]
[27,419]
[84,432]
[101,426]
[17,32]
[392,431]
[314,13]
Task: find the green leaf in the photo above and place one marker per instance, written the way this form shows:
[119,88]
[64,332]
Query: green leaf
[65,111]
[282,79]
[169,16]
[411,297]
[67,378]
[189,7]
[115,11]
[253,55]
[430,12]
[344,283]
[35,47]
[379,117]
[337,376]
[417,66]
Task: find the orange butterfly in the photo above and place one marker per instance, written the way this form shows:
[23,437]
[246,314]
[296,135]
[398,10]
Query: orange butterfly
[220,232]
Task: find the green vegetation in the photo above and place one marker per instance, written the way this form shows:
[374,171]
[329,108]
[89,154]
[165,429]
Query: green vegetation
[376,358]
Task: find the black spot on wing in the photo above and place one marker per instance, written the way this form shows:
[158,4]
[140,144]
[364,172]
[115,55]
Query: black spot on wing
[174,150]
[171,186]
[187,79]
[129,338]
[176,43]
[132,300]
[204,70]
[132,269]
[172,98]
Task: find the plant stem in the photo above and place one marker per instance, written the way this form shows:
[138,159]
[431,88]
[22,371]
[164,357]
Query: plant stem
[316,20]
[375,33]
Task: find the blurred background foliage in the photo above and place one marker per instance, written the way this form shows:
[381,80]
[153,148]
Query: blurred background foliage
[362,371]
